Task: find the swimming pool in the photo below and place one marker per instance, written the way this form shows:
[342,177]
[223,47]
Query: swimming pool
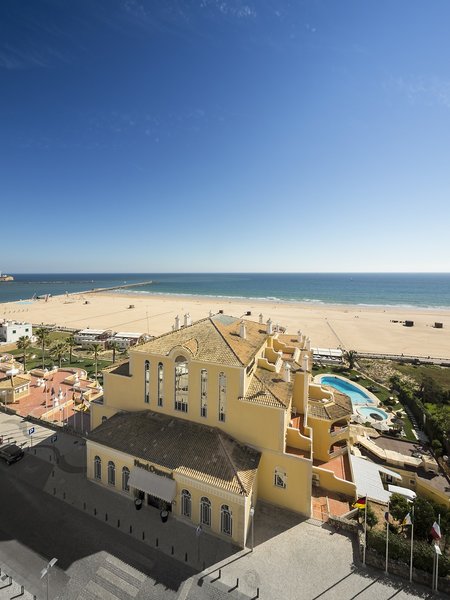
[375,414]
[357,395]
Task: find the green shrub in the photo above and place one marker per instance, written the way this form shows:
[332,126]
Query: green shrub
[400,550]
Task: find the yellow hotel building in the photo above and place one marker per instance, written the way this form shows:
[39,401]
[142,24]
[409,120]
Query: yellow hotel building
[207,419]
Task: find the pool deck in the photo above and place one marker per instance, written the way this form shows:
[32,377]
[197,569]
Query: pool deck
[358,386]
[374,404]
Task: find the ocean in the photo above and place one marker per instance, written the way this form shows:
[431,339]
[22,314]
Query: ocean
[421,290]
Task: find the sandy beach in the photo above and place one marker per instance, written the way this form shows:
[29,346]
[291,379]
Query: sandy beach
[365,329]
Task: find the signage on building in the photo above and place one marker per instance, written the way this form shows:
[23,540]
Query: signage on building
[151,468]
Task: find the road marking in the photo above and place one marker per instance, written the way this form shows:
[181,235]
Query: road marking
[117,581]
[126,568]
[99,592]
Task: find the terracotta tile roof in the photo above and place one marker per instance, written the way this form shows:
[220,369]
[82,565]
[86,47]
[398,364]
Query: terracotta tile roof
[269,389]
[16,382]
[244,349]
[198,451]
[257,392]
[290,340]
[340,408]
[276,385]
[214,339]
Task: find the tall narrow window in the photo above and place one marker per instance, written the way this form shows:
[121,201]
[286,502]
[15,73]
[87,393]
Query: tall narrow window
[205,511]
[186,504]
[125,478]
[111,473]
[147,382]
[97,467]
[181,384]
[222,395]
[280,478]
[226,522]
[203,393]
[160,384]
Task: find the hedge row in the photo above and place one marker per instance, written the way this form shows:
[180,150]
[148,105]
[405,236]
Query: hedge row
[400,550]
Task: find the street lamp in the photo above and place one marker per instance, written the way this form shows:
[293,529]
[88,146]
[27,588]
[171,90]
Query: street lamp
[252,514]
[46,571]
[198,533]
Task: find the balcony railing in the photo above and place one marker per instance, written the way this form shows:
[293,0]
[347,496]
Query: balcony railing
[338,431]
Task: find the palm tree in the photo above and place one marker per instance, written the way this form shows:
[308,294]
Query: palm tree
[114,346]
[70,341]
[23,343]
[95,349]
[350,357]
[58,350]
[43,336]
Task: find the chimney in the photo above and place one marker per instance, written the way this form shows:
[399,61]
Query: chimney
[277,328]
[299,335]
[210,313]
[269,329]
[308,344]
[177,323]
[305,362]
[287,372]
[187,320]
[260,318]
[243,330]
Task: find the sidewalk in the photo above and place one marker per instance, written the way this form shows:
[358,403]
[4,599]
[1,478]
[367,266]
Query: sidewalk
[67,482]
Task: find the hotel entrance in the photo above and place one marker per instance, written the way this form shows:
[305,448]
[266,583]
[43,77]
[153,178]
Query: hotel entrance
[158,503]
[153,489]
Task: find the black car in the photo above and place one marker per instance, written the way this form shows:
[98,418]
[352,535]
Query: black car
[11,453]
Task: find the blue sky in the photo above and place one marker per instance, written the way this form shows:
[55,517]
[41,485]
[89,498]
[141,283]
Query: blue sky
[224,135]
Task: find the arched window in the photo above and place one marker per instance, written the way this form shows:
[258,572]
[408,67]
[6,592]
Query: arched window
[147,382]
[222,395]
[226,521]
[111,473]
[160,384]
[280,478]
[125,477]
[97,467]
[205,511]
[104,419]
[181,384]
[203,392]
[186,504]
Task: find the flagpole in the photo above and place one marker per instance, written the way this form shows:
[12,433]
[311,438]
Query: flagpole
[365,533]
[412,543]
[387,538]
[437,557]
[434,572]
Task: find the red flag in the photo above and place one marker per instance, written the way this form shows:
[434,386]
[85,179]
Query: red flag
[436,531]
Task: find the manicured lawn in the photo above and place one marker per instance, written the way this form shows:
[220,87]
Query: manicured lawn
[82,362]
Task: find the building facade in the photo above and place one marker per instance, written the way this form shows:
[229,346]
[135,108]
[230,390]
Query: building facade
[209,418]
[11,331]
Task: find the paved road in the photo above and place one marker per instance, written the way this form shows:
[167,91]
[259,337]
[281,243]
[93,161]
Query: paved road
[94,560]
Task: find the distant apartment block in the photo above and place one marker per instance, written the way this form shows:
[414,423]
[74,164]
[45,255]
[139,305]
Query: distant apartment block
[87,337]
[11,331]
[124,340]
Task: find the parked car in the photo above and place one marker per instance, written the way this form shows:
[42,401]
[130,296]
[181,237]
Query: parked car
[11,453]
